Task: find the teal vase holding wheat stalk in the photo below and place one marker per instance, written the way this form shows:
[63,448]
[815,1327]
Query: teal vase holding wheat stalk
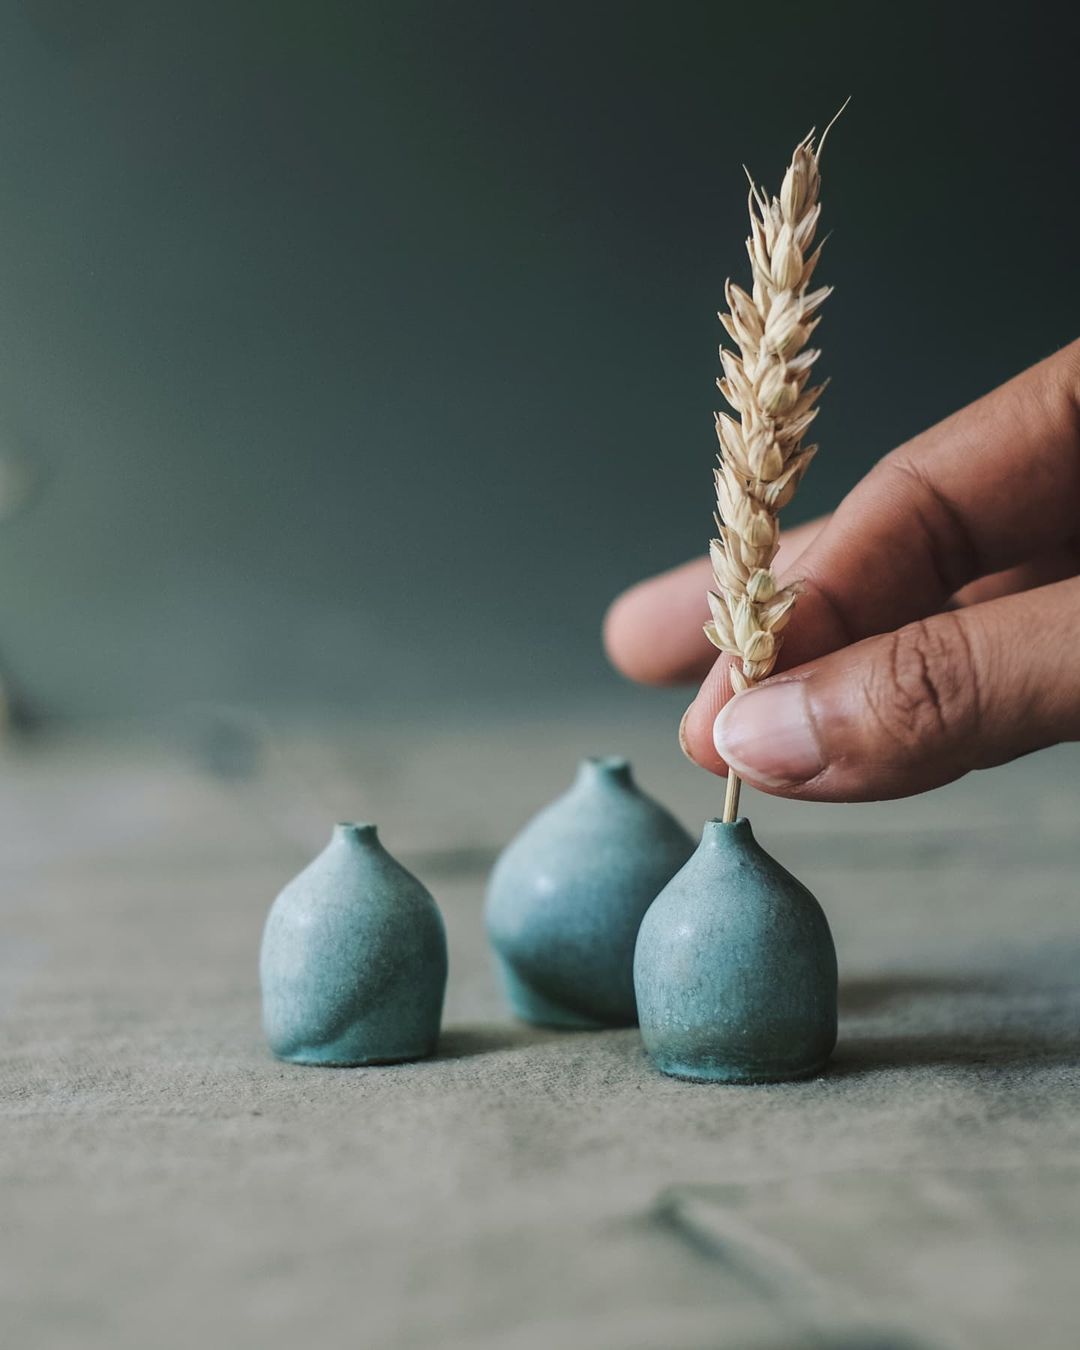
[735,968]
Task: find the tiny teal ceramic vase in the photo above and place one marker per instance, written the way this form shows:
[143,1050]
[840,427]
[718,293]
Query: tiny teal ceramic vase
[567,895]
[735,968]
[353,964]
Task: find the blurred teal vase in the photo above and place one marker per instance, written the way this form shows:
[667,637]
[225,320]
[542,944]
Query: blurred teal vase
[567,895]
[735,968]
[353,964]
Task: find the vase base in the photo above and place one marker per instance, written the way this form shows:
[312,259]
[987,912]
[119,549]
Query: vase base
[314,1062]
[528,1005]
[733,1075]
[335,1057]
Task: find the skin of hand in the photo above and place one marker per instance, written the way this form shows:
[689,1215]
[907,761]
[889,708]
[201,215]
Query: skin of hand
[939,626]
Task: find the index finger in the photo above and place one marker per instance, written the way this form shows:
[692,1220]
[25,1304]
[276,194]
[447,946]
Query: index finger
[654,632]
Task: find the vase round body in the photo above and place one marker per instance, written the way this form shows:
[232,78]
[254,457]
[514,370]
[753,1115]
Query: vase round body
[735,968]
[353,963]
[567,895]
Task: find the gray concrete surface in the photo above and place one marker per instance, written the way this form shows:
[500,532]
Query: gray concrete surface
[165,1183]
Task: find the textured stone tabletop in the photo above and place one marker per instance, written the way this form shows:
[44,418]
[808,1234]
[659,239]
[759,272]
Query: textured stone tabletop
[165,1183]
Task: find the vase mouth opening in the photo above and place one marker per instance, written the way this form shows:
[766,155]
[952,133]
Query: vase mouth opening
[717,825]
[614,767]
[359,830]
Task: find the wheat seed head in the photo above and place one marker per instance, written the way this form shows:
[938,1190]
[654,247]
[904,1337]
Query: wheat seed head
[766,384]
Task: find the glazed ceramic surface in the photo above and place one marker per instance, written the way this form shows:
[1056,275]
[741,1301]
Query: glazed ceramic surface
[735,968]
[567,895]
[353,964]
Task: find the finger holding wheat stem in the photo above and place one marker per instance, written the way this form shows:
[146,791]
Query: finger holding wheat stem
[762,455]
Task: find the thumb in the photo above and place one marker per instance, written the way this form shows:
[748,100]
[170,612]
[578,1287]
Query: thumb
[916,708]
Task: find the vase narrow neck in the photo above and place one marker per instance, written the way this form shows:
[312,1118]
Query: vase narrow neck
[356,834]
[605,771]
[717,833]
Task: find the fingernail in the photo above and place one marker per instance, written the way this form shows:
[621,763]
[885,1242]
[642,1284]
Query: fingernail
[767,735]
[682,734]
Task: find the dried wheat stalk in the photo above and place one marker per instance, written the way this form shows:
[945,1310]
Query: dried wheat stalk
[762,456]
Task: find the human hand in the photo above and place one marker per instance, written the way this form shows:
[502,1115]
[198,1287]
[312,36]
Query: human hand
[939,626]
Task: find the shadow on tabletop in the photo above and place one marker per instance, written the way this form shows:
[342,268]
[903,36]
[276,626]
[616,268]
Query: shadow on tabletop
[990,1049]
[462,1042]
[968,1029]
[865,994]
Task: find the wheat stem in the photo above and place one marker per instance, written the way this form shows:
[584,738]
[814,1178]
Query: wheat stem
[731,797]
[762,456]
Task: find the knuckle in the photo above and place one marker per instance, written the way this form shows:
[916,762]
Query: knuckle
[1066,367]
[947,542]
[926,688]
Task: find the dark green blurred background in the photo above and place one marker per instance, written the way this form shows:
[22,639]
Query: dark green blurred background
[354,355]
